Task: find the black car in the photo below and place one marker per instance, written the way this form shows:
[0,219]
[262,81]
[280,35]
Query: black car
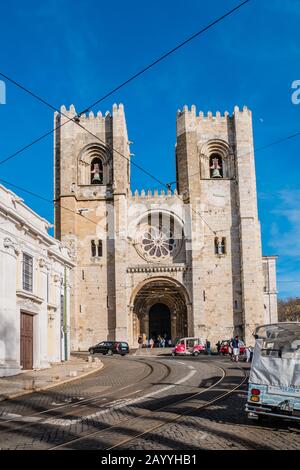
[110,348]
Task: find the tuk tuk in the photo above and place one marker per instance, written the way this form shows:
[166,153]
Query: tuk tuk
[189,346]
[274,381]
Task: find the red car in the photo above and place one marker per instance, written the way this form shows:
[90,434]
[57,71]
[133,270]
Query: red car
[225,345]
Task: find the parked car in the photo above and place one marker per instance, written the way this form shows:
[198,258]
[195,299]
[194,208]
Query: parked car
[110,348]
[225,345]
[189,346]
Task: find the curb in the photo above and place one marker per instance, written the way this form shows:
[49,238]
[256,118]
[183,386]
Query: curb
[47,387]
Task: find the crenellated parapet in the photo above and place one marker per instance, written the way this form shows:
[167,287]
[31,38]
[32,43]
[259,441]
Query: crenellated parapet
[90,117]
[188,119]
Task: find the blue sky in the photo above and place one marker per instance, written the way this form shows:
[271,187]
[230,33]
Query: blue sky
[74,52]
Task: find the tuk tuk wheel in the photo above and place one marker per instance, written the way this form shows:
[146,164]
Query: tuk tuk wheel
[196,353]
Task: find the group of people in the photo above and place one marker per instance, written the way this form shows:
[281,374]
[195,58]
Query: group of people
[234,349]
[161,342]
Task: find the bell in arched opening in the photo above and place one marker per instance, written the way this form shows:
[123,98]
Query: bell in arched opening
[96,171]
[216,166]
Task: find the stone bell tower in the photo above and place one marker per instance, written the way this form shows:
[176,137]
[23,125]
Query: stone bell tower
[216,175]
[91,156]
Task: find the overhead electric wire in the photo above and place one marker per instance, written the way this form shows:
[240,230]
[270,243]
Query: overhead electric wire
[31,193]
[118,87]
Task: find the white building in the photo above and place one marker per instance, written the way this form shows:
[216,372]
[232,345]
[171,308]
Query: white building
[35,271]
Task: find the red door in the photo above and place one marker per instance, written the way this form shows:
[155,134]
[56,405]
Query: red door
[26,357]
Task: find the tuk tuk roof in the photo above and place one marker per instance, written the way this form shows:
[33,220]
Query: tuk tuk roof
[282,331]
[276,359]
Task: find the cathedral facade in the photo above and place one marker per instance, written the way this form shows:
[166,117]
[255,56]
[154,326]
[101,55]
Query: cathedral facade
[175,263]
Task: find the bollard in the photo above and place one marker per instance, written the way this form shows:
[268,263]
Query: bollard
[29,384]
[73,373]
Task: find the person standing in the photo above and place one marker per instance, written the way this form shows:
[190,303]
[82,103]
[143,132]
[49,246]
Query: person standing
[218,344]
[151,343]
[235,349]
[248,354]
[207,347]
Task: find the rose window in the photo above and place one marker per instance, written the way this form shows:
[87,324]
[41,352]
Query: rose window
[157,243]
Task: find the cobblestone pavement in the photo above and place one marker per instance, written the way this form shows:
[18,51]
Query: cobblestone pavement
[133,394]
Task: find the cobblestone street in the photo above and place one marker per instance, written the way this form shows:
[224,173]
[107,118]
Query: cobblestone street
[159,403]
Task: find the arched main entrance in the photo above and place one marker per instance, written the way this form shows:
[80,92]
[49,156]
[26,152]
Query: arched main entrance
[160,307]
[160,321]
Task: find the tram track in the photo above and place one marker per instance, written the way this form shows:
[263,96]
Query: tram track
[178,416]
[81,402]
[140,420]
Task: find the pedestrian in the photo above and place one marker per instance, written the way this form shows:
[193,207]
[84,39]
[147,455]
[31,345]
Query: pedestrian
[169,342]
[207,347]
[235,348]
[248,354]
[140,342]
[218,344]
[163,342]
[151,343]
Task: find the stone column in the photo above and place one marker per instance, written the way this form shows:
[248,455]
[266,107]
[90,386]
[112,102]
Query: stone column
[41,326]
[9,314]
[250,238]
[120,203]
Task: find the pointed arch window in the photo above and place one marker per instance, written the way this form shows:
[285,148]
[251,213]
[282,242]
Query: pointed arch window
[96,171]
[216,166]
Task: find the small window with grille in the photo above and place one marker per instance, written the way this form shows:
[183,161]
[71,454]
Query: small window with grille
[27,272]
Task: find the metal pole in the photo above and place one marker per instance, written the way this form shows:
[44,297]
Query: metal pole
[269,294]
[65,314]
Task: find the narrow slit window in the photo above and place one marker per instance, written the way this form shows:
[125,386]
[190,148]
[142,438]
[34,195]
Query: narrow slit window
[93,248]
[99,248]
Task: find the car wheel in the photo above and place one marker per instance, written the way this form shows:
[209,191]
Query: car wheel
[123,355]
[196,353]
[109,352]
[91,351]
[173,354]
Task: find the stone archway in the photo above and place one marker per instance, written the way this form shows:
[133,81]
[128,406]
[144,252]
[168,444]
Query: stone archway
[162,292]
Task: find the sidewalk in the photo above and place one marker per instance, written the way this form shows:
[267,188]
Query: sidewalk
[43,379]
[152,352]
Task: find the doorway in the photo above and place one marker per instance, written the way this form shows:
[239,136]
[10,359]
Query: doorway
[159,321]
[26,341]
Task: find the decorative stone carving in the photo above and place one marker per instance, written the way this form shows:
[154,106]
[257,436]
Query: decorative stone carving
[156,244]
[8,243]
[157,269]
